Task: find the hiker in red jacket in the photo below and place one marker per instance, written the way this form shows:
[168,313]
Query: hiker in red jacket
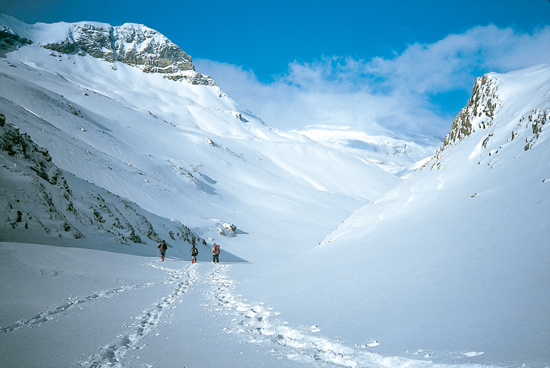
[216,253]
[162,247]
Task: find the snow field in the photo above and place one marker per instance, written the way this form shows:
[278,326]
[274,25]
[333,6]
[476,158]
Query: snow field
[185,315]
[450,266]
[112,355]
[72,302]
[83,293]
[258,324]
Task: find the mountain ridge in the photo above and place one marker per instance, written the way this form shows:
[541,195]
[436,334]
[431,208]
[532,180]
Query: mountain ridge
[43,202]
[179,150]
[462,244]
[131,43]
[449,265]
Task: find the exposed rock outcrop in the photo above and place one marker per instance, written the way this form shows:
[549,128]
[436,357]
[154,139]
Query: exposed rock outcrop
[131,44]
[9,40]
[479,111]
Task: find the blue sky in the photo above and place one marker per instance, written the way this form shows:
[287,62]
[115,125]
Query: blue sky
[407,66]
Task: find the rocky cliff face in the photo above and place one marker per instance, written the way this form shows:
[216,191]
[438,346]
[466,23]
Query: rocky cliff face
[478,114]
[9,40]
[479,111]
[39,201]
[489,115]
[131,44]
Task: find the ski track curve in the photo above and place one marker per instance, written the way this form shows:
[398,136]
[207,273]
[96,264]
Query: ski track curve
[256,323]
[112,355]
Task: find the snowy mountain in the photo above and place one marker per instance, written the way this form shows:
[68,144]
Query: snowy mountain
[111,141]
[131,44]
[456,257]
[122,108]
[41,200]
[398,156]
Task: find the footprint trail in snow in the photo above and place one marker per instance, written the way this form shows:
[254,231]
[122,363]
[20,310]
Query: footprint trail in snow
[112,355]
[256,324]
[71,302]
[249,322]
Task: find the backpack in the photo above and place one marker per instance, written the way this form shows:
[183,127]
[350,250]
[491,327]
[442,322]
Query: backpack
[216,249]
[194,251]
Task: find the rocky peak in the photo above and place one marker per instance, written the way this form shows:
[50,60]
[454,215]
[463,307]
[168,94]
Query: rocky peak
[141,46]
[478,114]
[131,44]
[86,39]
[479,111]
[506,113]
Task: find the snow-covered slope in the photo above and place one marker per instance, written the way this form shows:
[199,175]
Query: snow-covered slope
[131,44]
[179,149]
[105,152]
[455,258]
[398,156]
[41,201]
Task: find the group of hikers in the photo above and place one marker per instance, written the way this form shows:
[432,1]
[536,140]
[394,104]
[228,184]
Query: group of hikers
[194,252]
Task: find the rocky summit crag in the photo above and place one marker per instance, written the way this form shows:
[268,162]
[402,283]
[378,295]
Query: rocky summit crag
[131,44]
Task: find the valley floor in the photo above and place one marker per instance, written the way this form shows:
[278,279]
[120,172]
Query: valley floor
[63,307]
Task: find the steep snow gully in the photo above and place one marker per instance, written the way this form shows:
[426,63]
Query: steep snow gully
[161,323]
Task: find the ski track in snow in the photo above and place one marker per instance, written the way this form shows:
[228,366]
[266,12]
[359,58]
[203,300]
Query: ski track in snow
[73,301]
[112,355]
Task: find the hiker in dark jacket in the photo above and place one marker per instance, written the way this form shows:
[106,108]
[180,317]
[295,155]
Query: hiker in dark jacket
[216,253]
[194,253]
[162,247]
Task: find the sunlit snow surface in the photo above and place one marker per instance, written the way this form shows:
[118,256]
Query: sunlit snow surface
[115,310]
[447,267]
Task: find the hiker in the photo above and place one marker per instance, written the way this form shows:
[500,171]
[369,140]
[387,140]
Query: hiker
[194,253]
[216,253]
[162,247]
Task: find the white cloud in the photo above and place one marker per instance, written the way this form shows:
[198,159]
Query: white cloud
[452,62]
[381,94]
